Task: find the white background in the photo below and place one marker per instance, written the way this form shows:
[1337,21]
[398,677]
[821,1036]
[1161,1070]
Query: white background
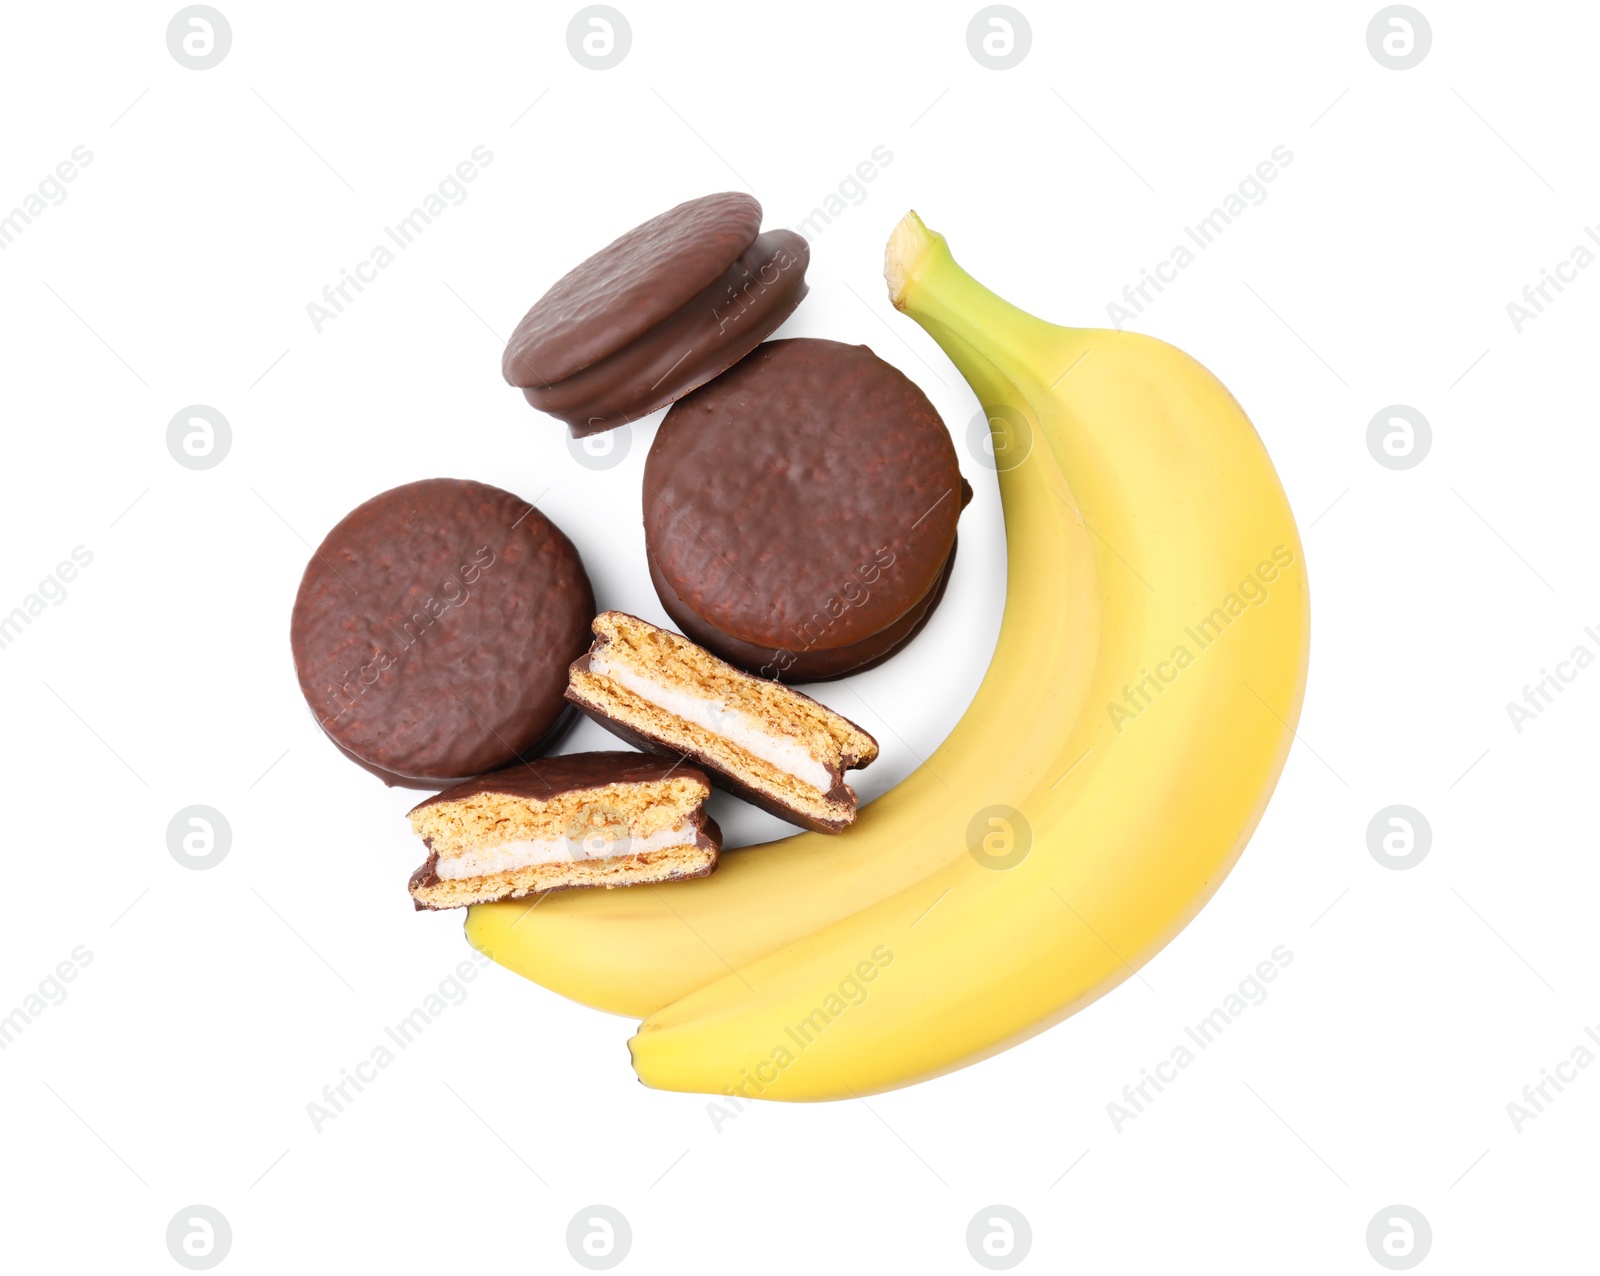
[219,1003]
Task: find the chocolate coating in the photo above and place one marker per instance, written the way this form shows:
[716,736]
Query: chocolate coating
[722,324]
[543,779]
[550,740]
[806,500]
[824,664]
[433,629]
[629,286]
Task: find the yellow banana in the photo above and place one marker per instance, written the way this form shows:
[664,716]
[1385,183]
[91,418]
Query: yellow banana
[633,951]
[1145,801]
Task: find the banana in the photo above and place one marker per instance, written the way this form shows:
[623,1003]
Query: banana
[1143,802]
[634,951]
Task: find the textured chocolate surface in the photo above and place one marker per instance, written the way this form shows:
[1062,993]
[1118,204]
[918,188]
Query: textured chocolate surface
[629,286]
[703,338]
[550,740]
[806,498]
[805,664]
[543,779]
[433,630]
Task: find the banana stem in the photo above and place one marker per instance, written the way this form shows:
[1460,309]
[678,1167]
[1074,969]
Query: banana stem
[928,284]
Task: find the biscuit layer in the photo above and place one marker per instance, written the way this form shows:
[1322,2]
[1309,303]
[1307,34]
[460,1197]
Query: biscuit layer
[607,819]
[769,743]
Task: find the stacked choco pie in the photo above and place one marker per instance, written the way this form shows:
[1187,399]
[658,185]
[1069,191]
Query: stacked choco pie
[800,505]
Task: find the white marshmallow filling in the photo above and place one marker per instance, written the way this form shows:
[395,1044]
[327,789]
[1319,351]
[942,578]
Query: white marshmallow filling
[734,725]
[484,861]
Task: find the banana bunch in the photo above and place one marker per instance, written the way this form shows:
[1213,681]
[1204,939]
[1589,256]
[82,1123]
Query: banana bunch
[1127,736]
